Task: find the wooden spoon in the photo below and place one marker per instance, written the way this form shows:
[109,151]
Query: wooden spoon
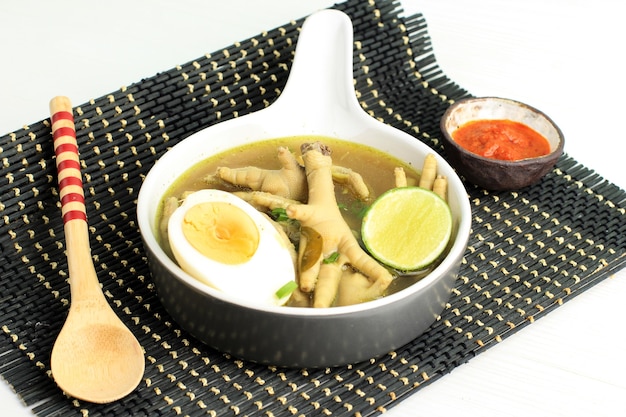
[95,358]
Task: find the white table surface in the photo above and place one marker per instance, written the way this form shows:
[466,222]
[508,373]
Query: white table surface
[563,56]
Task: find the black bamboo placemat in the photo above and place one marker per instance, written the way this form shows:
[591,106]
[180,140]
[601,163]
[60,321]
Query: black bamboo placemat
[530,251]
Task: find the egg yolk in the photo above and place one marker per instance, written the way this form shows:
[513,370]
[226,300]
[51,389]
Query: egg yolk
[221,232]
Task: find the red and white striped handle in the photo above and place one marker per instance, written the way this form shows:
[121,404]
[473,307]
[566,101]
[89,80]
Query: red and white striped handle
[67,160]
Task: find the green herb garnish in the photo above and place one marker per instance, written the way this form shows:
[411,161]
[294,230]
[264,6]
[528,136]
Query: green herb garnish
[280,214]
[286,289]
[332,258]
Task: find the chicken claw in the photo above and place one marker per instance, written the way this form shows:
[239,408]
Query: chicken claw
[289,181]
[340,248]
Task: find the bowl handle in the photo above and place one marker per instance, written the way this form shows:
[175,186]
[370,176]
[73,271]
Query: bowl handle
[320,84]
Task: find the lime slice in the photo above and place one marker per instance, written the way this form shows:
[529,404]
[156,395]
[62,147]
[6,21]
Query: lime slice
[407,228]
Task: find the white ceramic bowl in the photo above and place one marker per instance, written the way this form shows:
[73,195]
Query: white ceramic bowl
[319,99]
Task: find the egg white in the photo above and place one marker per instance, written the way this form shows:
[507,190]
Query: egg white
[255,281]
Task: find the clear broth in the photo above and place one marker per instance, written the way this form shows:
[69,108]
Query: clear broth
[376,168]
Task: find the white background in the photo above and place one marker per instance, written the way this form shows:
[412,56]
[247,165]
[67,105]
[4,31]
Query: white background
[564,57]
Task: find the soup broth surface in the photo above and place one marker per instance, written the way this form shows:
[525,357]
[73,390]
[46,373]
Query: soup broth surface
[375,167]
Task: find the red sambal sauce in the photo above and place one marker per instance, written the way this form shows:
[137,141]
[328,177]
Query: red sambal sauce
[501,139]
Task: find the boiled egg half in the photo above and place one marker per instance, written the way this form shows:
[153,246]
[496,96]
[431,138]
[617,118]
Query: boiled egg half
[223,241]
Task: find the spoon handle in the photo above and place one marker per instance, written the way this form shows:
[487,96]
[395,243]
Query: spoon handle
[67,160]
[83,278]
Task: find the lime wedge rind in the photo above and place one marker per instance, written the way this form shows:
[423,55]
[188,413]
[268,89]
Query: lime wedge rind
[413,215]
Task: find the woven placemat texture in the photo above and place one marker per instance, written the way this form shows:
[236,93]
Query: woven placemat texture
[529,252]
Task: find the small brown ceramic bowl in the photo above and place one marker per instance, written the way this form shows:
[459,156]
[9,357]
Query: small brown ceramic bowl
[496,174]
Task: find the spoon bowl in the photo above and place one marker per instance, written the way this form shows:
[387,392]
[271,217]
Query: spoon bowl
[90,360]
[95,358]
